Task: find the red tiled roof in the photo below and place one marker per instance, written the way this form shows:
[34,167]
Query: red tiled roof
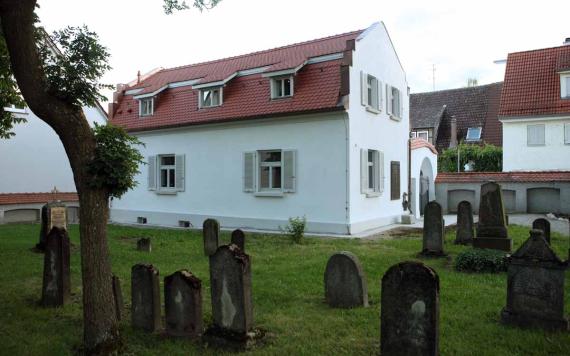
[532,83]
[420,142]
[480,177]
[34,198]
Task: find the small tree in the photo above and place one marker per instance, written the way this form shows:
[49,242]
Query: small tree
[487,158]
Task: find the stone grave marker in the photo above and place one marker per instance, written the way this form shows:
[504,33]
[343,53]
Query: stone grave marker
[52,214]
[535,286]
[410,310]
[433,231]
[144,244]
[56,286]
[211,232]
[465,232]
[118,297]
[492,226]
[145,294]
[544,225]
[183,304]
[238,238]
[345,281]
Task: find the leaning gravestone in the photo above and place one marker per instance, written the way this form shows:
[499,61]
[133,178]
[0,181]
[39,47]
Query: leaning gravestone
[211,232]
[56,287]
[544,225]
[464,233]
[145,294]
[183,304]
[144,244]
[535,286]
[118,297]
[492,226]
[345,282]
[238,238]
[433,232]
[53,214]
[410,310]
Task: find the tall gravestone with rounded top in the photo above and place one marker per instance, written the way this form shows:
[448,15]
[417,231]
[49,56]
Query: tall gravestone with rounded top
[183,304]
[145,298]
[238,238]
[544,225]
[53,214]
[345,282]
[56,286]
[464,233]
[492,226]
[211,233]
[410,310]
[433,231]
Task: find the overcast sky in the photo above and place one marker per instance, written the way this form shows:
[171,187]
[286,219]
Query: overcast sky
[461,38]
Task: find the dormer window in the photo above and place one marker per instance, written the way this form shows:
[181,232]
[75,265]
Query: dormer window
[211,97]
[473,134]
[565,85]
[281,87]
[146,107]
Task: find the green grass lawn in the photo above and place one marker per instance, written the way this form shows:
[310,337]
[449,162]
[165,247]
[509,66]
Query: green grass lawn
[288,296]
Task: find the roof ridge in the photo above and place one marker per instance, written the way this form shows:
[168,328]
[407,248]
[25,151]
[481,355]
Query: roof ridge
[261,51]
[538,49]
[462,88]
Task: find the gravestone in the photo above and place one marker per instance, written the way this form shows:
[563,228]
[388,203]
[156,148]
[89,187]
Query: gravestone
[492,226]
[183,304]
[56,286]
[52,214]
[434,230]
[145,294]
[144,244]
[211,232]
[118,297]
[544,225]
[464,233]
[345,282]
[238,238]
[535,286]
[410,310]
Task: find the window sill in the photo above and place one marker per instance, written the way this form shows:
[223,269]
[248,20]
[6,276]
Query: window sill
[395,118]
[278,194]
[537,145]
[281,97]
[373,194]
[372,110]
[166,192]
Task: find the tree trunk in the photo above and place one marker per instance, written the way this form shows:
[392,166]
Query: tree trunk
[101,334]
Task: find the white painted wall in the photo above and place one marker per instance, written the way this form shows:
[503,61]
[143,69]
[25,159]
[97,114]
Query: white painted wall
[214,171]
[423,158]
[518,156]
[375,54]
[34,160]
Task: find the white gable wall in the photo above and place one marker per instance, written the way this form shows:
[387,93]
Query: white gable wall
[375,54]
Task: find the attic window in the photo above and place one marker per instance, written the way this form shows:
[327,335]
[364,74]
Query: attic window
[211,97]
[473,134]
[281,87]
[146,107]
[565,86]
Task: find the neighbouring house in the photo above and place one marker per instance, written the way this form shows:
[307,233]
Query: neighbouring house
[33,163]
[316,129]
[423,173]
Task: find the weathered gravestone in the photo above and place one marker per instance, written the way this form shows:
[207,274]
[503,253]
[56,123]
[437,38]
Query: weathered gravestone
[53,214]
[345,282]
[410,310]
[535,286]
[434,230]
[238,238]
[183,304]
[56,286]
[464,233]
[118,297]
[544,225]
[211,232]
[144,244]
[492,226]
[145,294]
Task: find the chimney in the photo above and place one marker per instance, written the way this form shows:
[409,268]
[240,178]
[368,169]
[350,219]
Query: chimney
[117,96]
[453,138]
[138,77]
[566,41]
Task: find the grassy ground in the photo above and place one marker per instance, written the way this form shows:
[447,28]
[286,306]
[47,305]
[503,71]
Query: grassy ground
[287,291]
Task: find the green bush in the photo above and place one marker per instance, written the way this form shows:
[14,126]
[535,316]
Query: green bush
[296,229]
[487,158]
[481,260]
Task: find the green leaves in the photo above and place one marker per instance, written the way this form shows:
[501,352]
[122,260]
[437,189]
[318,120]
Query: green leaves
[170,6]
[481,260]
[487,158]
[9,93]
[116,161]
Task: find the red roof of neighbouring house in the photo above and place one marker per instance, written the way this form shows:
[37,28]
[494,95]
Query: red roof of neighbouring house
[420,142]
[532,83]
[35,198]
[316,87]
[481,177]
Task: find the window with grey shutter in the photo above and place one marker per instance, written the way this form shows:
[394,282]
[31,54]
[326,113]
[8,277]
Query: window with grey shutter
[289,171]
[180,172]
[152,173]
[535,135]
[249,172]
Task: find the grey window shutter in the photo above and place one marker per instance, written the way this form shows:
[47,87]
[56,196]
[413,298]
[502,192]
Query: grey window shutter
[363,88]
[249,171]
[380,95]
[180,172]
[289,171]
[567,132]
[388,99]
[363,170]
[380,171]
[401,102]
[152,173]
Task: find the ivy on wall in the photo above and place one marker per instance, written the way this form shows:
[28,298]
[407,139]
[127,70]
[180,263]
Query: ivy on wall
[487,158]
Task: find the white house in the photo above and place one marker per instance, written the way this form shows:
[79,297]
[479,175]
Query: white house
[316,129]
